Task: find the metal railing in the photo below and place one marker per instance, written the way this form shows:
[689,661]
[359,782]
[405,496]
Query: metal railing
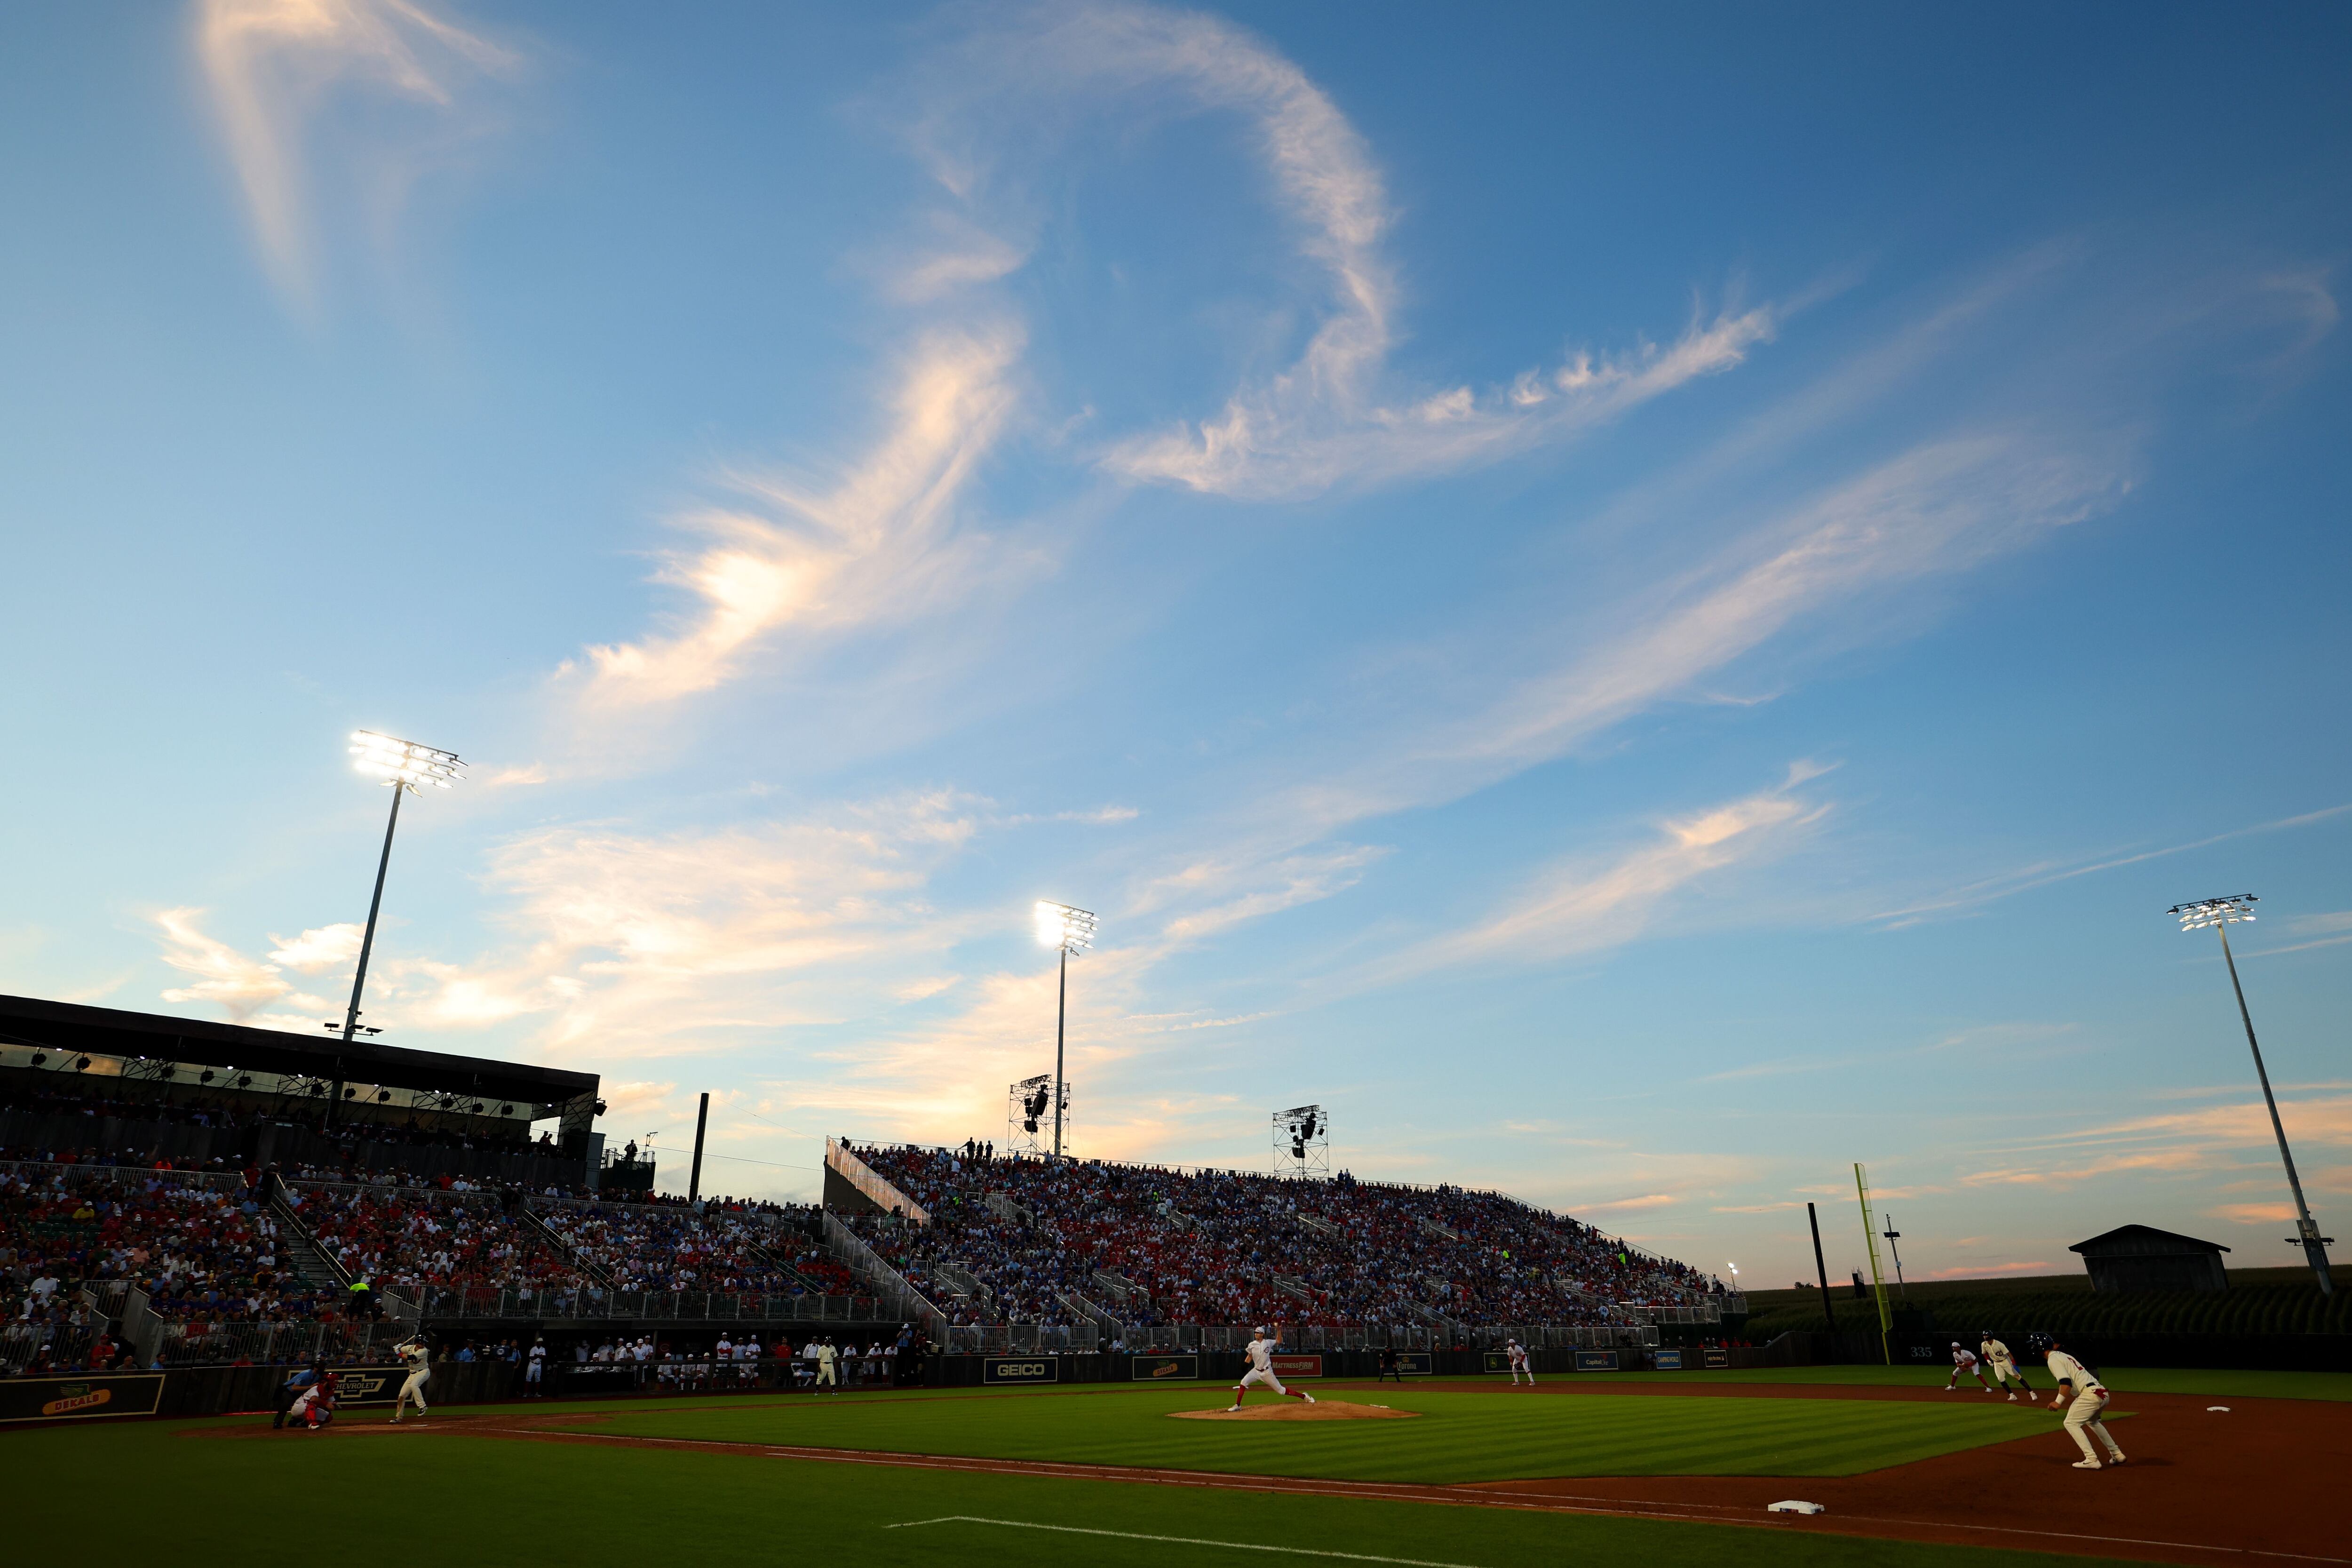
[569,1304]
[877,1187]
[889,1286]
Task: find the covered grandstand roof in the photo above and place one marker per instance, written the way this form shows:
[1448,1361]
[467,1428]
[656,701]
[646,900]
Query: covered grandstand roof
[71,1027]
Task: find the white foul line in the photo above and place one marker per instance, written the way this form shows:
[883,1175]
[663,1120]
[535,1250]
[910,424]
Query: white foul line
[1174,1540]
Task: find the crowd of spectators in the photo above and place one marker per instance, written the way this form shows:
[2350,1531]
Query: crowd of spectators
[652,1246]
[411,1240]
[1231,1246]
[198,1250]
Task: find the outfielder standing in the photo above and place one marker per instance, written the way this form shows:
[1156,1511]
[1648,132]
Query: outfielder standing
[2004,1367]
[1517,1354]
[419,1357]
[2083,1397]
[1261,1369]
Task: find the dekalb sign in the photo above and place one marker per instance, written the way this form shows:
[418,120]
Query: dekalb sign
[1019,1369]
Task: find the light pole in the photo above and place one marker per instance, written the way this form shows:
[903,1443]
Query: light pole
[1072,930]
[2221,914]
[1894,1236]
[405,765]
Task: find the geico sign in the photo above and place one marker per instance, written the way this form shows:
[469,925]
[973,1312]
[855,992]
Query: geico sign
[1025,1369]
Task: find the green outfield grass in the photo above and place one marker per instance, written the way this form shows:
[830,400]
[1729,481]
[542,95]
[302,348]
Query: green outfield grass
[143,1492]
[1457,1437]
[2121,1379]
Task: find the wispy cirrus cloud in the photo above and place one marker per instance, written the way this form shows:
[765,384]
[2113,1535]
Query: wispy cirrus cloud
[1581,907]
[878,545]
[1018,87]
[274,67]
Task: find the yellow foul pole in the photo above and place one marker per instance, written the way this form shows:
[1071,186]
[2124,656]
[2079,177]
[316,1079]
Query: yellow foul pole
[1877,1277]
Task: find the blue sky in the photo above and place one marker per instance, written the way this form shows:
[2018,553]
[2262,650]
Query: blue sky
[1646,606]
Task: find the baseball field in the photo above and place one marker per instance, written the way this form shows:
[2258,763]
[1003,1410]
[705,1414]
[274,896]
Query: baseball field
[1469,1473]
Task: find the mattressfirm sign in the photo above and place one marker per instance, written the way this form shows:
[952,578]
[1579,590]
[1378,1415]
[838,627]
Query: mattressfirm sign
[1164,1368]
[1296,1366]
[81,1398]
[1596,1361]
[1019,1369]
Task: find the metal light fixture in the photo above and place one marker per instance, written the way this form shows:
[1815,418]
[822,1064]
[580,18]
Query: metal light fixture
[2221,914]
[1071,929]
[406,766]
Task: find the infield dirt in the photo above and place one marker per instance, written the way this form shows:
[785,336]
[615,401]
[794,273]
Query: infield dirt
[1293,1410]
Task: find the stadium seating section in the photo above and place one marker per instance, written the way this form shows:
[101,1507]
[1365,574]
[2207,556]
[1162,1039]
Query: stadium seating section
[1239,1247]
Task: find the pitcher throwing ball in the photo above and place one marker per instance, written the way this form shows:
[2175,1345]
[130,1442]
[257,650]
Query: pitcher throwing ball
[418,1356]
[1261,1369]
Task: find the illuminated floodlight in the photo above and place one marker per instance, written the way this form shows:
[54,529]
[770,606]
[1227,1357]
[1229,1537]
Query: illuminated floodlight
[403,762]
[2214,912]
[1070,931]
[1061,925]
[2221,914]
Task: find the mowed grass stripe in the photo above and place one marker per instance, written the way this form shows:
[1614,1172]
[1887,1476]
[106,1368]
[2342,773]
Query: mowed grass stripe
[197,1503]
[1458,1436]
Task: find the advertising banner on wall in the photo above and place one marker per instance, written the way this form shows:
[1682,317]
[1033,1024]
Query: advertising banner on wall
[1019,1369]
[1668,1360]
[1596,1361]
[1287,1367]
[1164,1368]
[1415,1363]
[81,1398]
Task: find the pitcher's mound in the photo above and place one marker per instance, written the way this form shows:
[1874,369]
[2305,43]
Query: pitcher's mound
[1295,1410]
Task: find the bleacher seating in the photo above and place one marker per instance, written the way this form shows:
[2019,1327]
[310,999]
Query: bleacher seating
[1240,1247]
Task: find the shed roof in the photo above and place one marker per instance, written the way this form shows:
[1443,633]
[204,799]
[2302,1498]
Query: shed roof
[2142,1240]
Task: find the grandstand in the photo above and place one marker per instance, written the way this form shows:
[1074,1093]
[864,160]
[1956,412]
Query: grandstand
[1091,1252]
[174,1192]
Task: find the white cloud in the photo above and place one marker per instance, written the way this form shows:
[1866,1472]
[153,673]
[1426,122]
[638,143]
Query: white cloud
[225,977]
[1333,415]
[878,545]
[271,65]
[321,947]
[1581,907]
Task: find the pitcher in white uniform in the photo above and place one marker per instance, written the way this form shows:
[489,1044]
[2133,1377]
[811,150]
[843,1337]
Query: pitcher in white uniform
[1261,1369]
[2083,1397]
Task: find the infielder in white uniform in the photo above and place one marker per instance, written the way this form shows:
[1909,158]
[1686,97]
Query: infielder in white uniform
[1964,1364]
[1517,1353]
[419,1357]
[1261,1369]
[2004,1367]
[2081,1386]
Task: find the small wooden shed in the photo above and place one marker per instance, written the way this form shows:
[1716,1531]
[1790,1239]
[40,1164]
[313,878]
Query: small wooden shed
[2142,1257]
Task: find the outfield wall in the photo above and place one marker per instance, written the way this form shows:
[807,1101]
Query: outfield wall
[1932,1351]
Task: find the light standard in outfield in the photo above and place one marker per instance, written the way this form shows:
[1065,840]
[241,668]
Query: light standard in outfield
[2221,914]
[1071,929]
[407,767]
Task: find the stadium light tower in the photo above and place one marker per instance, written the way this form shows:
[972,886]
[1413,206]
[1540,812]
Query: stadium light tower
[2221,914]
[407,767]
[1071,929]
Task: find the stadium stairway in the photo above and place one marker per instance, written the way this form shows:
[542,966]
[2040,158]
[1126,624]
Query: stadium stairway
[298,1246]
[556,1243]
